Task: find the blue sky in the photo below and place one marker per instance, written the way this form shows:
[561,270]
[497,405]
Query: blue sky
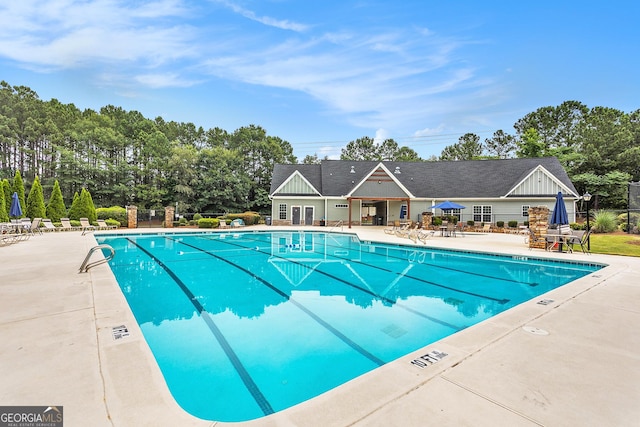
[322,73]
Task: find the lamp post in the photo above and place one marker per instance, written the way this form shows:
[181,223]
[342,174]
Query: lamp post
[586,197]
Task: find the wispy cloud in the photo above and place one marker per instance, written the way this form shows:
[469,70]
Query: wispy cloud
[67,34]
[283,24]
[378,80]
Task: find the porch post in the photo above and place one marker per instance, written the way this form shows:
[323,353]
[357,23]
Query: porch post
[349,200]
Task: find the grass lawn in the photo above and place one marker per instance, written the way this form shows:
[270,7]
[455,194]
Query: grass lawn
[616,244]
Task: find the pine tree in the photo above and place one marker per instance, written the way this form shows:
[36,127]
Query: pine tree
[88,209]
[4,216]
[56,208]
[18,187]
[35,201]
[74,210]
[6,187]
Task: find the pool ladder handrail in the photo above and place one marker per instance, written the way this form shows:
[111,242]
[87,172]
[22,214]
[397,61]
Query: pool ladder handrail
[338,224]
[86,265]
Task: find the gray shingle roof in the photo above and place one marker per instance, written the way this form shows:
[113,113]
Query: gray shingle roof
[457,179]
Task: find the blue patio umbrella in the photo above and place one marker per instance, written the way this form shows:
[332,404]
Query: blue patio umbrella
[447,205]
[559,215]
[16,209]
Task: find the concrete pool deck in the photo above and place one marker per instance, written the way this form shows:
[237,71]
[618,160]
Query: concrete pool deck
[58,348]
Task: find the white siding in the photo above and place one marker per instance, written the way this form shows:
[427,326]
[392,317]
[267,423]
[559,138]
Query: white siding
[297,185]
[538,182]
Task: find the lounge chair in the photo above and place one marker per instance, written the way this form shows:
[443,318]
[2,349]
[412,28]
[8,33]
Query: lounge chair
[223,224]
[86,227]
[486,228]
[576,239]
[48,225]
[237,223]
[102,225]
[394,227]
[424,234]
[404,230]
[8,234]
[66,225]
[32,227]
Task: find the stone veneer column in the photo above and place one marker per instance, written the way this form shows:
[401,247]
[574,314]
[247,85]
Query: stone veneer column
[169,211]
[132,216]
[427,219]
[538,223]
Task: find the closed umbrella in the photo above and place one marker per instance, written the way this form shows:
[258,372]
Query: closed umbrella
[16,209]
[447,205]
[559,215]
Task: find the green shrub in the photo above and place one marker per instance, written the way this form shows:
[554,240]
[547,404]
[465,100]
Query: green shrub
[471,223]
[526,223]
[499,224]
[437,221]
[513,224]
[183,221]
[110,221]
[208,223]
[604,221]
[576,226]
[117,213]
[249,218]
[197,217]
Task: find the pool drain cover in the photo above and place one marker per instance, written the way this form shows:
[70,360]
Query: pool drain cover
[545,301]
[120,332]
[534,330]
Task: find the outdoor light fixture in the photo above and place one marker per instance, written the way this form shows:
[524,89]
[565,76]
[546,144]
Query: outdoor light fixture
[352,169]
[397,171]
[587,197]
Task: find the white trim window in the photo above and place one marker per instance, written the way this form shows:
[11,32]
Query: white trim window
[452,212]
[282,211]
[525,211]
[482,213]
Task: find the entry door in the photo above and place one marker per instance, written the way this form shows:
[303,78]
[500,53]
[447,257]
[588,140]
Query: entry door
[295,215]
[308,215]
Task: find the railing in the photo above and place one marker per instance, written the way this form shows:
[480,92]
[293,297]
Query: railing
[86,265]
[338,224]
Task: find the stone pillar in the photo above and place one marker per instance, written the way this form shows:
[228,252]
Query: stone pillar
[132,216]
[538,223]
[427,219]
[169,211]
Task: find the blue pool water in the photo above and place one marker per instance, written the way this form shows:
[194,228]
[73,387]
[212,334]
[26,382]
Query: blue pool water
[246,324]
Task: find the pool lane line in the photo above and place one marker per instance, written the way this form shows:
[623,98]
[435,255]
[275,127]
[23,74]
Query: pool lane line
[283,294]
[251,386]
[338,279]
[419,279]
[441,267]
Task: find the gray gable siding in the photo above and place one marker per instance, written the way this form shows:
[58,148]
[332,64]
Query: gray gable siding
[539,182]
[297,185]
[375,189]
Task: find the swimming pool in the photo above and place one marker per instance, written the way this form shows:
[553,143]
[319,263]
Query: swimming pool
[246,324]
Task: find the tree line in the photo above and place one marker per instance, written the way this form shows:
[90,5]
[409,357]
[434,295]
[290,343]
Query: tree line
[124,158]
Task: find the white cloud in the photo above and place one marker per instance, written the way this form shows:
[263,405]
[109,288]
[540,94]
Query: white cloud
[283,24]
[70,33]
